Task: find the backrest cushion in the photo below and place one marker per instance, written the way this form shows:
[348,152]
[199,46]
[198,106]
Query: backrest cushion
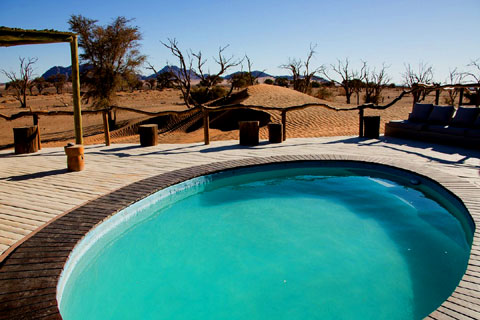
[465,117]
[441,115]
[476,124]
[420,112]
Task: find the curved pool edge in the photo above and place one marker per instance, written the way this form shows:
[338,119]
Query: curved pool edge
[29,275]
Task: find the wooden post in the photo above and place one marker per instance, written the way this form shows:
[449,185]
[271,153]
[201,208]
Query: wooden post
[75,158]
[460,100]
[77,109]
[275,133]
[25,139]
[249,132]
[437,96]
[206,127]
[148,135]
[415,93]
[35,123]
[360,125]
[106,128]
[284,125]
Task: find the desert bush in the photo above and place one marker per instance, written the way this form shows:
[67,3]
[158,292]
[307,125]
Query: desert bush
[324,93]
[241,80]
[166,80]
[58,80]
[315,84]
[281,81]
[40,84]
[268,81]
[203,94]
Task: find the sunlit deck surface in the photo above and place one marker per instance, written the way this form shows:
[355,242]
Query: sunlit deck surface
[36,189]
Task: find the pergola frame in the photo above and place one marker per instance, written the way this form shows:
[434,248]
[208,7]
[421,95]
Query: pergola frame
[15,37]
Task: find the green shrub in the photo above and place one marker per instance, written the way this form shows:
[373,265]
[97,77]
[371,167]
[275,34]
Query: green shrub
[268,81]
[202,94]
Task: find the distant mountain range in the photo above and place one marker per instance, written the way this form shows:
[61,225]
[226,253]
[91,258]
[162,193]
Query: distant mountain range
[259,74]
[63,70]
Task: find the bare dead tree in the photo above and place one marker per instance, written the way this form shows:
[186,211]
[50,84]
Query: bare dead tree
[252,78]
[207,80]
[475,74]
[342,69]
[21,83]
[454,77]
[375,82]
[184,76]
[301,73]
[422,75]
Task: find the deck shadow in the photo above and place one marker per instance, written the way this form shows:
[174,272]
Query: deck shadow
[36,175]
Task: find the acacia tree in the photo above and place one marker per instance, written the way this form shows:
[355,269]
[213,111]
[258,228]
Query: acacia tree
[40,84]
[301,73]
[20,84]
[347,75]
[111,51]
[58,81]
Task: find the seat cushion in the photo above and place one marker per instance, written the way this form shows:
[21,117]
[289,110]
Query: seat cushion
[473,133]
[407,124]
[456,131]
[465,117]
[441,115]
[420,112]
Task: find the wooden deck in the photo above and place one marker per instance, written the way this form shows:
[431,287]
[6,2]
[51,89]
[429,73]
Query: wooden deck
[36,189]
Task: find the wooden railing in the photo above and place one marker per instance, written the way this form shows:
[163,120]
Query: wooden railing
[206,110]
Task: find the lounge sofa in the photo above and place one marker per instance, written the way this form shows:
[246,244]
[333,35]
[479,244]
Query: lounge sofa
[439,124]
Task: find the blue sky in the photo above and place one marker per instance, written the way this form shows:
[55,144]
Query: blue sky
[441,33]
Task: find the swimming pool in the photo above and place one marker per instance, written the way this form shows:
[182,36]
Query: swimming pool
[303,242]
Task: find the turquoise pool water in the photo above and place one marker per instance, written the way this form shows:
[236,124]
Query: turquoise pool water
[297,243]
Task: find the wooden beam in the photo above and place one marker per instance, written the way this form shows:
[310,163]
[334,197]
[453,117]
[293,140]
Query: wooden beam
[77,109]
[14,37]
[106,128]
[284,125]
[360,125]
[35,123]
[460,100]
[206,127]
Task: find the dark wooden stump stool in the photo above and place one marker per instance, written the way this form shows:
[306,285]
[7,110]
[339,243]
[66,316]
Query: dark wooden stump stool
[371,128]
[75,158]
[25,139]
[148,135]
[275,132]
[249,132]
